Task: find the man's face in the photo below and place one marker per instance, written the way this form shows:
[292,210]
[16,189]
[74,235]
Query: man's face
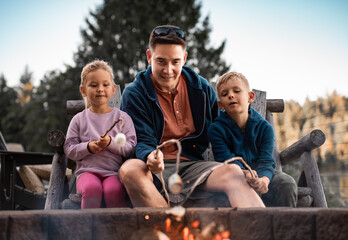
[166,61]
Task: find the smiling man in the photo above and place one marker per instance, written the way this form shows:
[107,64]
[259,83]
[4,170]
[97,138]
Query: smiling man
[171,101]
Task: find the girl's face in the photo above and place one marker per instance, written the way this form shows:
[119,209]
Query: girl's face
[98,89]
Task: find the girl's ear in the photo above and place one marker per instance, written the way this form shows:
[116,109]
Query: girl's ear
[220,105]
[83,92]
[114,87]
[251,96]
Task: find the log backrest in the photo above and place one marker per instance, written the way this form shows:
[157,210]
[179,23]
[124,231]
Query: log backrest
[261,104]
[265,107]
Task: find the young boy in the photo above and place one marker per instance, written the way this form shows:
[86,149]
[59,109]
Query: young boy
[241,131]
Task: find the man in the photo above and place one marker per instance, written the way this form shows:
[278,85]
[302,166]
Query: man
[170,101]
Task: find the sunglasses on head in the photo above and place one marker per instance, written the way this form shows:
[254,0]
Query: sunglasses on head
[163,31]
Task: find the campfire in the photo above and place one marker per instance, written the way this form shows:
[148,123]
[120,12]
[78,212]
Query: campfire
[177,227]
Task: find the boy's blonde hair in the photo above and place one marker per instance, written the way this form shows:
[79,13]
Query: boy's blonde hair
[230,75]
[91,67]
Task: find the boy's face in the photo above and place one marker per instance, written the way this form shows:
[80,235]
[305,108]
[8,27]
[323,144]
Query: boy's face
[98,88]
[166,61]
[235,97]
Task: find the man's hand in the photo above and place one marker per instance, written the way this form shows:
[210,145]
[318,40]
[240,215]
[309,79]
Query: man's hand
[103,142]
[94,147]
[155,163]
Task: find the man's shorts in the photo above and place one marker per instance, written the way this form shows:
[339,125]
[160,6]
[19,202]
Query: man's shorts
[189,171]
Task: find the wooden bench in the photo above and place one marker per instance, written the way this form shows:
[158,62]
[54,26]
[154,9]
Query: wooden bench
[13,192]
[310,189]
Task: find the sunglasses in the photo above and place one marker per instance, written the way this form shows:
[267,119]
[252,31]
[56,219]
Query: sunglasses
[163,31]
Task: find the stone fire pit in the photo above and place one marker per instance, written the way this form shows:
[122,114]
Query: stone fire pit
[269,223]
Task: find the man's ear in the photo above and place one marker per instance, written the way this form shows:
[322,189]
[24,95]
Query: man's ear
[185,57]
[148,55]
[251,96]
[83,92]
[220,105]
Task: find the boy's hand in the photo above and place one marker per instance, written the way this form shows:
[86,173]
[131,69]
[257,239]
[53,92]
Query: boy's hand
[258,184]
[94,147]
[155,163]
[103,142]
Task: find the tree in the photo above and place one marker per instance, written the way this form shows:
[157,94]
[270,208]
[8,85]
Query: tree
[118,32]
[25,90]
[9,108]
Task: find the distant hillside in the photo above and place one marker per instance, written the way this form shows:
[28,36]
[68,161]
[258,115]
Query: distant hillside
[330,115]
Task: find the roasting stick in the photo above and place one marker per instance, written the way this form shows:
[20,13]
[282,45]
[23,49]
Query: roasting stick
[212,169]
[178,182]
[113,125]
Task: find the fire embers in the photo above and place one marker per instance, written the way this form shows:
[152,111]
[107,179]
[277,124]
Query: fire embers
[177,230]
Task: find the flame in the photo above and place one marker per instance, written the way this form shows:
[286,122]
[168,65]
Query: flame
[147,217]
[168,223]
[225,234]
[185,233]
[195,224]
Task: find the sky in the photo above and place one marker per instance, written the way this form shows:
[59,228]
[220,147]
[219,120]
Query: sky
[293,50]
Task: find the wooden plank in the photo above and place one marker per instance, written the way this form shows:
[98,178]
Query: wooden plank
[260,102]
[270,119]
[313,180]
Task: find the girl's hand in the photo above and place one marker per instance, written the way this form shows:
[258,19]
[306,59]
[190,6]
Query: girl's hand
[259,184]
[94,147]
[155,163]
[103,142]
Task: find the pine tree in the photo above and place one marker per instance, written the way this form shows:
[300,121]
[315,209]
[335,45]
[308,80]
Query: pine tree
[118,32]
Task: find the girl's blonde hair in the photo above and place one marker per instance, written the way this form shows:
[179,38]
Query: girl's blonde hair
[91,67]
[230,75]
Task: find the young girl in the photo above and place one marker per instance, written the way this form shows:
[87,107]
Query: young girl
[99,157]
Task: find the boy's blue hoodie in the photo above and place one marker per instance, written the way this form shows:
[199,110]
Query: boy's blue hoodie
[255,145]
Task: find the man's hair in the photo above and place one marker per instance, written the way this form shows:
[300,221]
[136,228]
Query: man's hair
[231,75]
[170,38]
[91,67]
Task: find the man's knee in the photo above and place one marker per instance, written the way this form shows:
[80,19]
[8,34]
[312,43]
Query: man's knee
[130,168]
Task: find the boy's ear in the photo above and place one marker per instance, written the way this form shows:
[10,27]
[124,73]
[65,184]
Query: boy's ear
[220,105]
[251,96]
[83,92]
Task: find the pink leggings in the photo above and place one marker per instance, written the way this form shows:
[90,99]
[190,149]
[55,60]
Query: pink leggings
[92,187]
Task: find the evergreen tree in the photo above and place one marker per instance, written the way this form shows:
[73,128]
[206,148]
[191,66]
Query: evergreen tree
[9,109]
[118,32]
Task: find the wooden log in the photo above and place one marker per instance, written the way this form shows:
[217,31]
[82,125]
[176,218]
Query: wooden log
[55,191]
[56,185]
[56,140]
[275,105]
[313,180]
[314,139]
[74,106]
